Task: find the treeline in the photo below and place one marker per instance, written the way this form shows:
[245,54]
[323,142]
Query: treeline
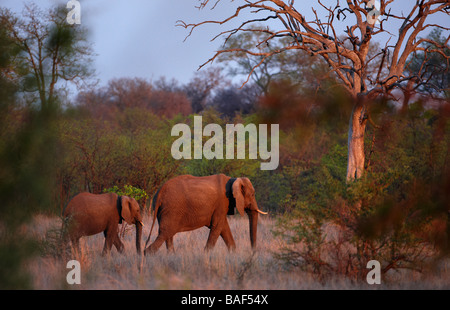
[120,134]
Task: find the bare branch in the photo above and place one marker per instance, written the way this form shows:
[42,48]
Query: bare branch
[347,56]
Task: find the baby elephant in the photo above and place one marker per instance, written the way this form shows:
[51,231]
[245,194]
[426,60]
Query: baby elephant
[89,214]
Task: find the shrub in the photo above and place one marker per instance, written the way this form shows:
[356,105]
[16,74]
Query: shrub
[128,190]
[397,213]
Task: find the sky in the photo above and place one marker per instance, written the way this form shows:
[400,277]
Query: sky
[139,38]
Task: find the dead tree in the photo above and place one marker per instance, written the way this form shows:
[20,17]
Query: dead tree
[345,51]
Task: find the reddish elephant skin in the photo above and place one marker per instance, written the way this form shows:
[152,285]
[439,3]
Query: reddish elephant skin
[89,214]
[186,203]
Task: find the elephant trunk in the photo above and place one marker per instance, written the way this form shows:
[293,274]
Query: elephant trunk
[253,224]
[138,236]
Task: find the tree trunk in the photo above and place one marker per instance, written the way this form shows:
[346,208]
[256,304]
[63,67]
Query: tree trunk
[356,130]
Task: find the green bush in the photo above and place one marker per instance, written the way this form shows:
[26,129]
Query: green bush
[129,191]
[397,213]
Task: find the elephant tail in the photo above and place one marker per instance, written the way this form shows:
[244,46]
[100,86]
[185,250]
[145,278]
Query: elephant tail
[156,203]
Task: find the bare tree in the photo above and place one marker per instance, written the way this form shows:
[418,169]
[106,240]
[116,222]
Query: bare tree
[201,87]
[51,50]
[347,53]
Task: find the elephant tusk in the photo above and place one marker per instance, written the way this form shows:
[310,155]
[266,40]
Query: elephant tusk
[259,211]
[141,223]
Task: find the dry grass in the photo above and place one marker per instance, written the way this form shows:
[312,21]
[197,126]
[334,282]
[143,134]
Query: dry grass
[190,267]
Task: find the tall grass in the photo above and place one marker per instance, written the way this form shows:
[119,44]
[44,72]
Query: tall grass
[190,267]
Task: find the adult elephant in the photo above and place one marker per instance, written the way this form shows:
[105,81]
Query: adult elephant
[89,214]
[186,203]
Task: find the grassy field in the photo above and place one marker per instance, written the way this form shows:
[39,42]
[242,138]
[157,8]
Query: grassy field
[190,267]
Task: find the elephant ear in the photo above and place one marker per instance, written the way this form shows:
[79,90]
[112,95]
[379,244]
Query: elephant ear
[126,210]
[238,194]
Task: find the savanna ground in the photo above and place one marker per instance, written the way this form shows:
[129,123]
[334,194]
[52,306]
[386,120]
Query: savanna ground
[191,268]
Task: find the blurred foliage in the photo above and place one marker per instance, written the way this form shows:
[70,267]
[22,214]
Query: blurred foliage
[398,213]
[28,139]
[27,161]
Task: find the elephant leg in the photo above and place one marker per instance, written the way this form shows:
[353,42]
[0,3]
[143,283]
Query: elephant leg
[169,244]
[212,238]
[106,248]
[163,236]
[155,245]
[109,240]
[228,237]
[216,228]
[118,244]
